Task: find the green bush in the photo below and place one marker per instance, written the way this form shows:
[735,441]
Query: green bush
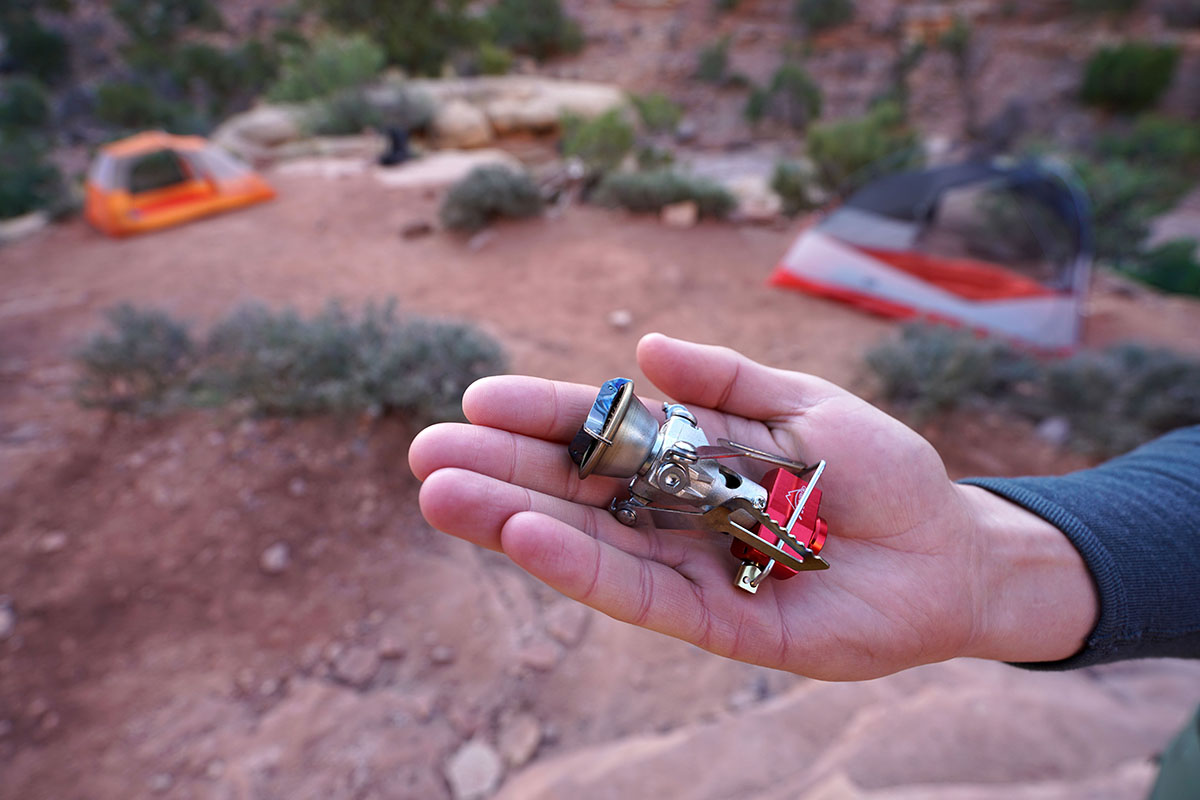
[1130,77]
[1125,197]
[1155,141]
[39,51]
[331,64]
[493,59]
[659,114]
[850,153]
[819,15]
[791,96]
[162,22]
[601,143]
[793,182]
[133,106]
[344,113]
[713,64]
[488,193]
[1103,6]
[1172,267]
[1113,399]
[725,6]
[222,80]
[23,104]
[28,181]
[539,28]
[650,157]
[140,366]
[280,363]
[645,192]
[417,35]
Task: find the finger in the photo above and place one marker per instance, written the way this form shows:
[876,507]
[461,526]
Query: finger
[549,410]
[725,380]
[532,463]
[618,583]
[475,507]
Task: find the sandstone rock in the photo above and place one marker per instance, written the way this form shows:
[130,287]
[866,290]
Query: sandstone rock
[416,229]
[254,134]
[8,619]
[17,228]
[442,168]
[620,319]
[516,114]
[276,558]
[460,124]
[441,655]
[541,654]
[519,738]
[681,215]
[474,771]
[1055,430]
[756,202]
[52,542]
[357,666]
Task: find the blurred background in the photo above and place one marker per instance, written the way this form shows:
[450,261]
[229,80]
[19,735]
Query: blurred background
[214,578]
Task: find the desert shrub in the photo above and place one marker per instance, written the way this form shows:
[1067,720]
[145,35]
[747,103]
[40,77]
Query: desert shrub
[601,143]
[280,363]
[539,28]
[417,35]
[488,193]
[793,182]
[644,192]
[1181,13]
[1130,77]
[128,105]
[933,368]
[23,104]
[343,113]
[28,180]
[1112,400]
[659,114]
[493,59]
[725,6]
[1125,197]
[651,157]
[791,96]
[819,15]
[850,153]
[1155,141]
[161,22]
[37,50]
[331,64]
[1101,6]
[403,107]
[136,366]
[222,80]
[1172,267]
[713,64]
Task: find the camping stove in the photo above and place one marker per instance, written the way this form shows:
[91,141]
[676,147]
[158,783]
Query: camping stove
[678,481]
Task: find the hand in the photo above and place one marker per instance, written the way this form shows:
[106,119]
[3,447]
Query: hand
[922,569]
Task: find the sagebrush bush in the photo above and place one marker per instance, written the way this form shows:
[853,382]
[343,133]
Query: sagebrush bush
[403,106]
[488,193]
[1125,197]
[1172,266]
[23,104]
[1112,400]
[819,15]
[331,63]
[343,113]
[791,96]
[793,182]
[1130,77]
[713,63]
[39,51]
[281,363]
[645,192]
[539,28]
[417,35]
[659,113]
[134,106]
[1099,6]
[28,179]
[600,143]
[138,365]
[850,153]
[491,59]
[1155,141]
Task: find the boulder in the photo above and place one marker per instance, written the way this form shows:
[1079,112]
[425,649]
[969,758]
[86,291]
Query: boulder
[514,103]
[255,134]
[461,125]
[441,168]
[756,201]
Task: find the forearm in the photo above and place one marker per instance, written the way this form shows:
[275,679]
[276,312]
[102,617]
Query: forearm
[1035,599]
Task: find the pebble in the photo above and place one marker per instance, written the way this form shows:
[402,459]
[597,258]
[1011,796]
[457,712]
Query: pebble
[160,783]
[474,771]
[215,769]
[8,619]
[52,542]
[390,647]
[620,319]
[297,487]
[416,229]
[542,654]
[1055,430]
[6,727]
[519,738]
[442,654]
[276,558]
[357,666]
[565,621]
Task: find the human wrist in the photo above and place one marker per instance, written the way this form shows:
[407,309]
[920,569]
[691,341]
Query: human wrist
[1035,599]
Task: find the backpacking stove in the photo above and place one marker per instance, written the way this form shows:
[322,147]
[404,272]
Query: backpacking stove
[678,482]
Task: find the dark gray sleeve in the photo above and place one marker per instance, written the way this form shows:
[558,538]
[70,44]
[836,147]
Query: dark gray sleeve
[1136,522]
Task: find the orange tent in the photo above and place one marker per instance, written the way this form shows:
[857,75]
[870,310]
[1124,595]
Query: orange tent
[154,180]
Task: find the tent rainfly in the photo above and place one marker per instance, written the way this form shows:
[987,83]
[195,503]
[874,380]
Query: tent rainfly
[154,180]
[1003,249]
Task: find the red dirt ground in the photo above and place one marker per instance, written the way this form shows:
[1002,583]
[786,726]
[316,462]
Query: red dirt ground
[151,655]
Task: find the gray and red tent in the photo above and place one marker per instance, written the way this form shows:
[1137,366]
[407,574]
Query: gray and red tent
[1001,248]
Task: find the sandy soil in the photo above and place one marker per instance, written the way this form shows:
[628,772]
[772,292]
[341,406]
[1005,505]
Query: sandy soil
[151,654]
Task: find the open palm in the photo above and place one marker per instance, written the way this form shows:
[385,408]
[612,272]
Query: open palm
[905,583]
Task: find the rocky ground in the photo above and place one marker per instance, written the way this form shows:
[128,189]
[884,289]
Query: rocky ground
[205,606]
